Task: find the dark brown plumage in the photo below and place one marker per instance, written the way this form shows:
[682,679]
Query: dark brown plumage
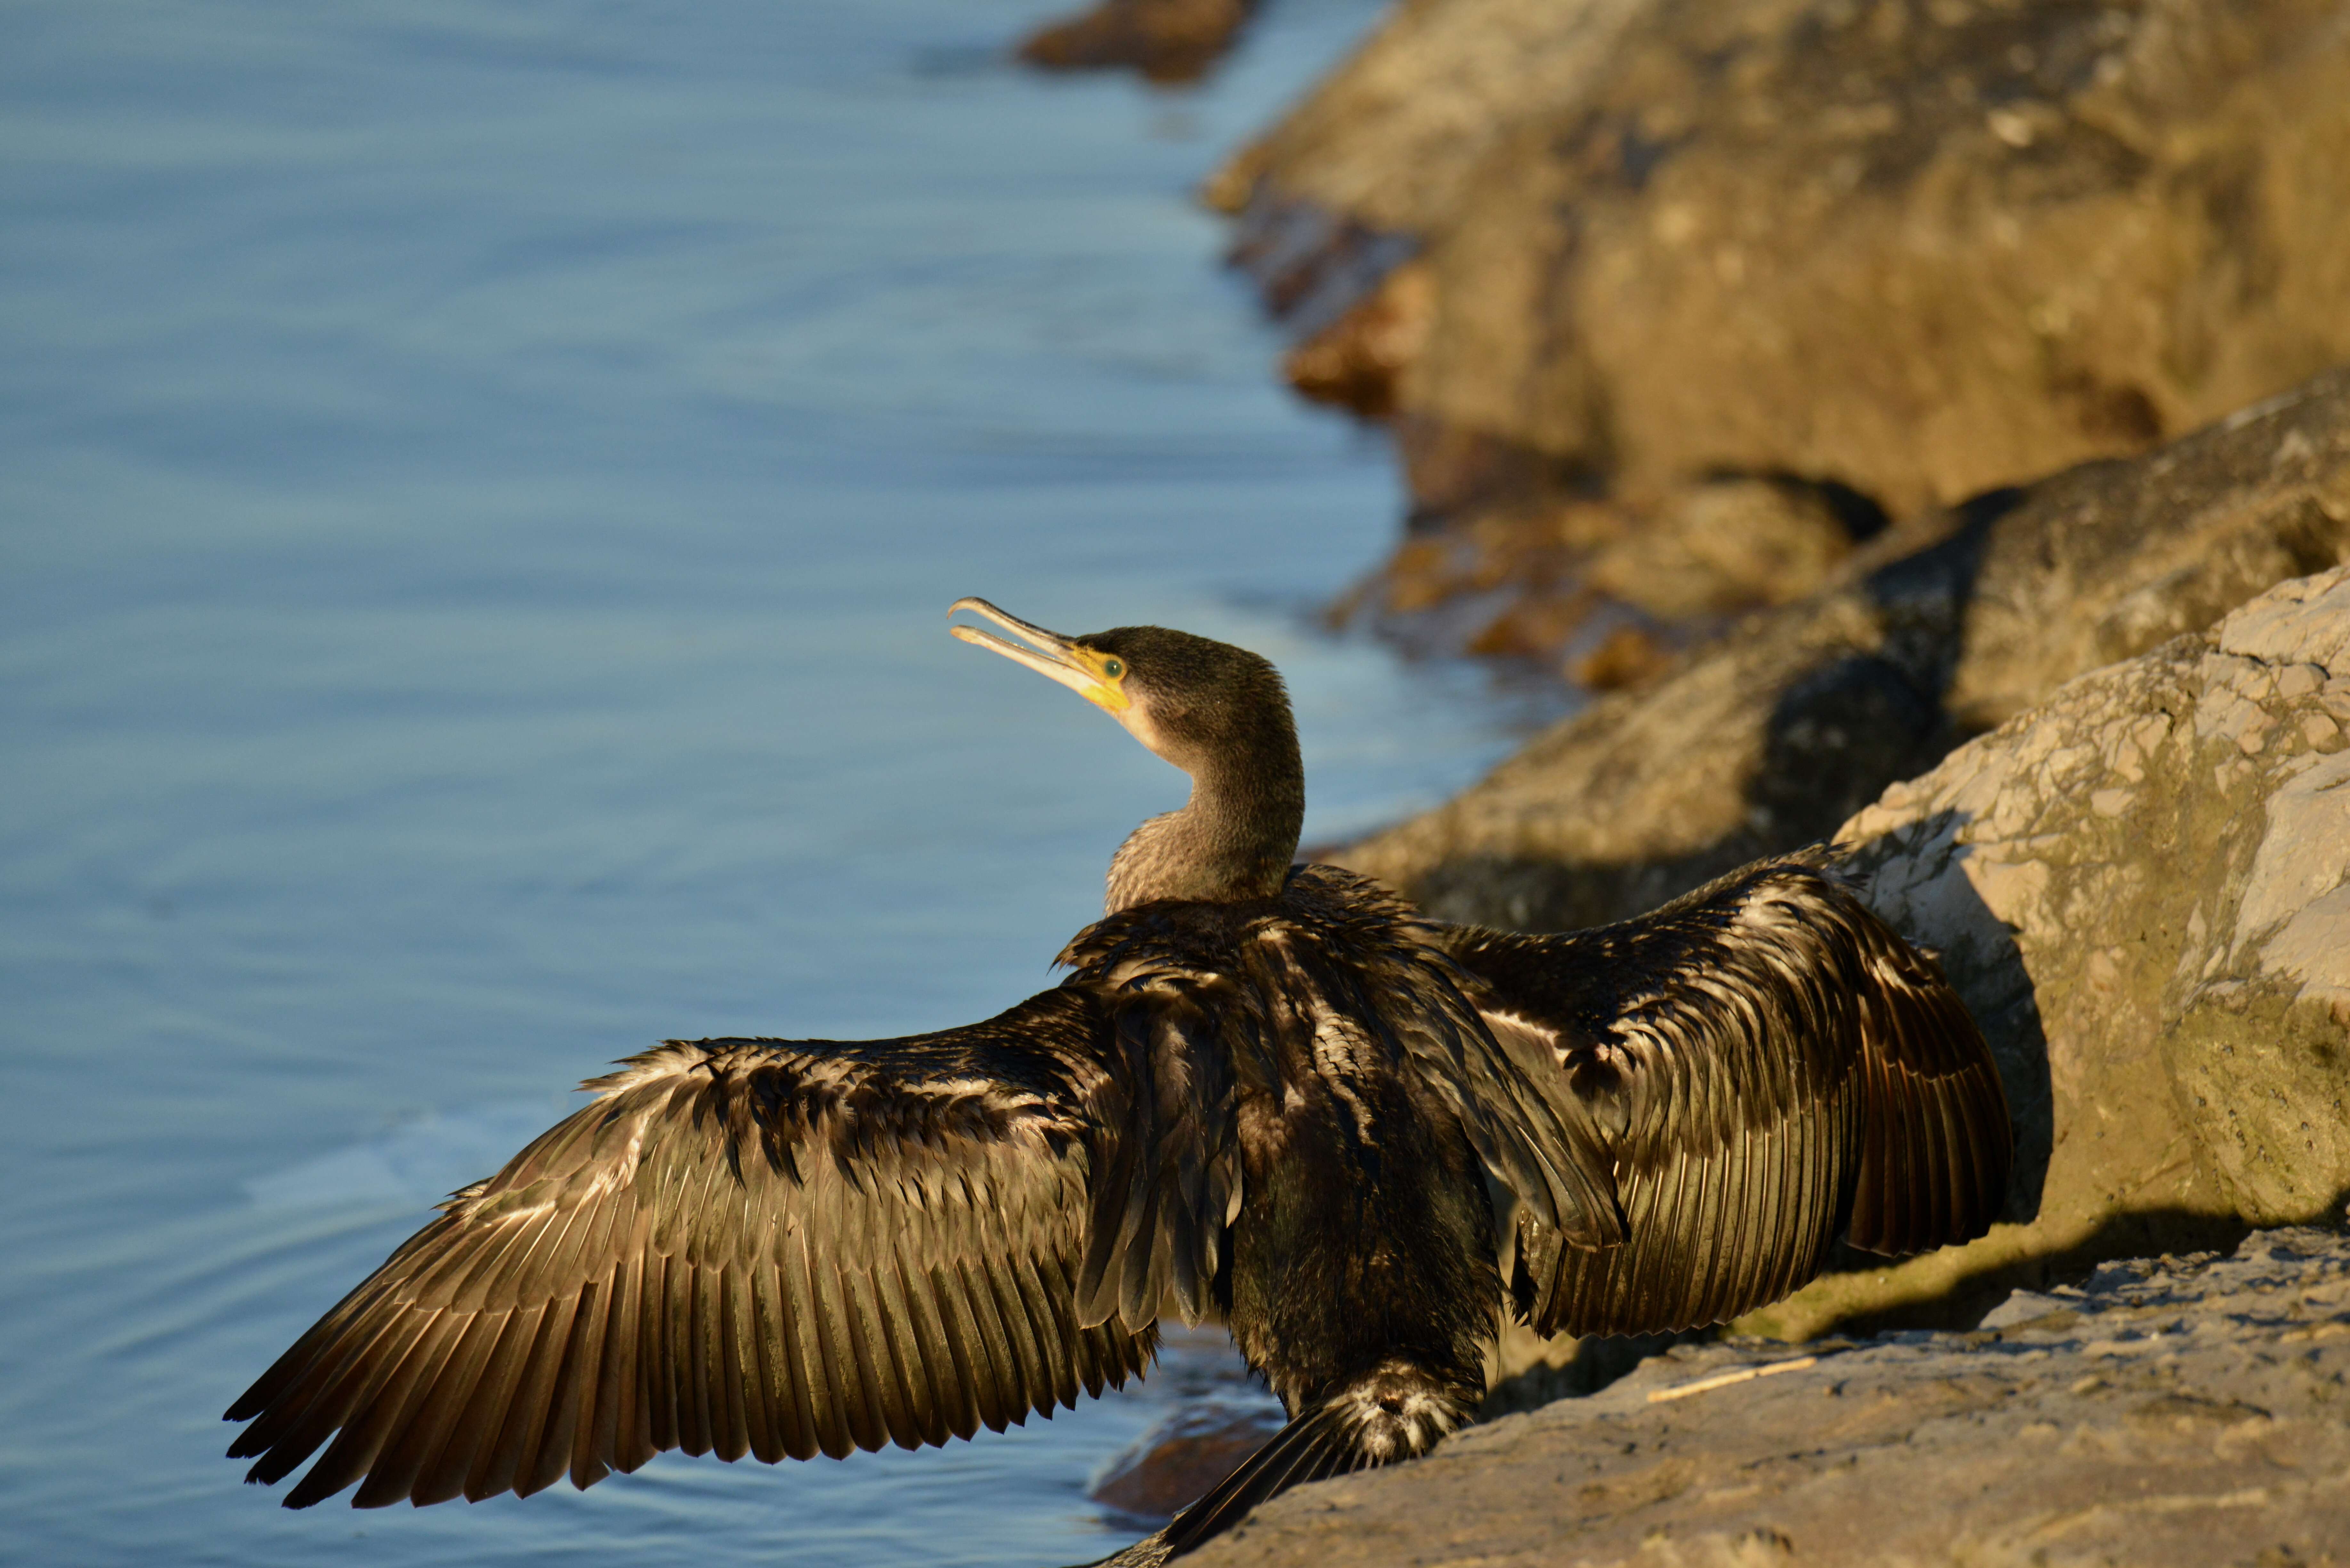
[1269,1092]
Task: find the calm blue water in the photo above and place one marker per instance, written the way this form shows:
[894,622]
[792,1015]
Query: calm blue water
[480,488]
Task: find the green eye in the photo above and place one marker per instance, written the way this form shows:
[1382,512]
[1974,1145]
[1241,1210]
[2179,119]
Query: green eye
[1113,669]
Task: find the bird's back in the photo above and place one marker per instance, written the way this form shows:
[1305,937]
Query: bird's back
[1300,1030]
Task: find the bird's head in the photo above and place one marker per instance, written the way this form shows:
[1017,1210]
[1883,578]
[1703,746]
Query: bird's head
[1216,712]
[1192,701]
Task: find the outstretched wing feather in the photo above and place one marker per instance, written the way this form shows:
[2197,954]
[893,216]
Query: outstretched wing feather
[766,1247]
[1156,1232]
[1766,1063]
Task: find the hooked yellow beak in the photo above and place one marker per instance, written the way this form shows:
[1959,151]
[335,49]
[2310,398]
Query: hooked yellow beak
[1097,677]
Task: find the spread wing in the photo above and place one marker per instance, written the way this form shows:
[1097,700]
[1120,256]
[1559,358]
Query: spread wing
[745,1246]
[1769,1064]
[1169,1173]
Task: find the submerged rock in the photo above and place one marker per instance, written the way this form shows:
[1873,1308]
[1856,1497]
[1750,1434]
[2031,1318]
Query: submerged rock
[2173,1409]
[1175,1463]
[1560,580]
[1214,1414]
[1164,40]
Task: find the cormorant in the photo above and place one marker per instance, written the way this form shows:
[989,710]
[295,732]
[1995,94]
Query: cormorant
[1271,1092]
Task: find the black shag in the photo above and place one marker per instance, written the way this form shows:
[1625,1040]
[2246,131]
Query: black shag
[1271,1092]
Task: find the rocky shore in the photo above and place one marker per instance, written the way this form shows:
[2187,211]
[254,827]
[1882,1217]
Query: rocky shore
[1924,424]
[1670,304]
[2141,886]
[1773,734]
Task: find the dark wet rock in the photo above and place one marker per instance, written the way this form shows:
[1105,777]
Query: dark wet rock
[1798,716]
[1311,266]
[2182,1409]
[1555,580]
[1623,655]
[1164,40]
[1178,1460]
[1354,361]
[1215,1413]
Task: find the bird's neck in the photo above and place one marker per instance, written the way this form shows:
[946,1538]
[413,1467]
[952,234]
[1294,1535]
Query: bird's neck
[1233,840]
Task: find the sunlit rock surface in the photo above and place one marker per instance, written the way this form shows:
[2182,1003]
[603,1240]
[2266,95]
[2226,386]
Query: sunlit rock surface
[1389,138]
[1800,716]
[2142,889]
[1921,247]
[2185,1410]
[1911,249]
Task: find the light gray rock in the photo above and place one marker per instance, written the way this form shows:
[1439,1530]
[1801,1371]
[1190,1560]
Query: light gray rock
[2142,889]
[2139,887]
[2185,1410]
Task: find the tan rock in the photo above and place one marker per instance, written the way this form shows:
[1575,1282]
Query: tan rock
[2136,552]
[1918,248]
[1872,246]
[1599,588]
[1356,360]
[1387,140]
[1726,545]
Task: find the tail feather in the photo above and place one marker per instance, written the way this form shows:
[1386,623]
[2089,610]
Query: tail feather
[1396,1410]
[1314,1446]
